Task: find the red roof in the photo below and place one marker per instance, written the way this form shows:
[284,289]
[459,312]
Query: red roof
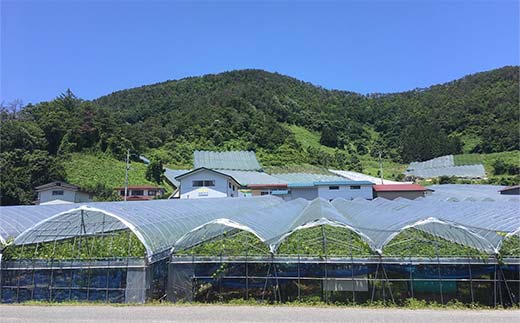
[398,188]
[140,187]
[267,185]
[139,198]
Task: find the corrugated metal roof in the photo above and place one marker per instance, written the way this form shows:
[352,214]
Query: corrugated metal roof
[253,178]
[242,177]
[398,187]
[308,180]
[170,175]
[232,160]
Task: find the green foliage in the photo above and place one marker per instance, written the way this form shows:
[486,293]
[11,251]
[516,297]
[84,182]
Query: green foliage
[24,162]
[101,173]
[333,241]
[109,245]
[155,170]
[324,241]
[511,247]
[416,243]
[329,137]
[500,167]
[447,180]
[282,119]
[230,243]
[467,159]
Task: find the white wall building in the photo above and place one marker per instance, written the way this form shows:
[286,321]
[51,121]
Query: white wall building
[61,191]
[207,183]
[330,190]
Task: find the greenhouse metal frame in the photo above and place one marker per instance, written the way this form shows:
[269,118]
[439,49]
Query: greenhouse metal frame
[167,229]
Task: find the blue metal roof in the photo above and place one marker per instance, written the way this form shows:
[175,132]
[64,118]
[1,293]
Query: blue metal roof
[311,180]
[170,175]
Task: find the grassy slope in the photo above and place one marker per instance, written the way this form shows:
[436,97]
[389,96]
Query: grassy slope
[87,170]
[512,157]
[370,165]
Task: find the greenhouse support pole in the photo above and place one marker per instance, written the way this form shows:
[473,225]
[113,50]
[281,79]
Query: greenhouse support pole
[495,287]
[247,269]
[266,279]
[325,282]
[352,269]
[299,280]
[439,271]
[277,287]
[374,283]
[501,271]
[471,281]
[411,275]
[388,283]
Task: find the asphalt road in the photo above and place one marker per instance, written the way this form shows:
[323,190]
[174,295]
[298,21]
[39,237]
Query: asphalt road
[193,314]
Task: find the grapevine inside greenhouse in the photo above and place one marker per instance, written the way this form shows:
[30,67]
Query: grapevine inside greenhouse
[264,249]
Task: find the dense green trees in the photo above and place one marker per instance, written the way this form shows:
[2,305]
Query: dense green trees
[254,110]
[24,161]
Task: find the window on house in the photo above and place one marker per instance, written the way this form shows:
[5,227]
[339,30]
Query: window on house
[137,192]
[264,193]
[152,192]
[334,188]
[60,192]
[229,185]
[233,187]
[355,187]
[203,183]
[122,193]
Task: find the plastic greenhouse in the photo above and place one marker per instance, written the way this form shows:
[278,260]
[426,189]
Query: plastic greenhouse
[263,248]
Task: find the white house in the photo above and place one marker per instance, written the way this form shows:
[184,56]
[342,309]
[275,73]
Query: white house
[207,183]
[61,192]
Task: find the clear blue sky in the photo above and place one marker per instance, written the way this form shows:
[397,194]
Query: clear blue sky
[100,47]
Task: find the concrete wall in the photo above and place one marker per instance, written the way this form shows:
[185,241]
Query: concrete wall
[394,195]
[221,188]
[345,191]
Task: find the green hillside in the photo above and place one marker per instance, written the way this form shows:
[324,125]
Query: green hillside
[91,170]
[289,123]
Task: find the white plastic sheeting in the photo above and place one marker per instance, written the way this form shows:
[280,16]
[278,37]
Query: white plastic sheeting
[444,166]
[376,222]
[157,224]
[16,219]
[169,225]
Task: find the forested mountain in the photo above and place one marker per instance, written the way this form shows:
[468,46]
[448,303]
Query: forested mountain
[258,110]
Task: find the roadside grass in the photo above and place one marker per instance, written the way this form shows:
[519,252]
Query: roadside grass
[408,304]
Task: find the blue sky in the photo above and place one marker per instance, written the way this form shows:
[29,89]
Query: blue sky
[95,48]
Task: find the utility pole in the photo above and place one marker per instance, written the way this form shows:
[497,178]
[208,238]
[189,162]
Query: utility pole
[381,167]
[126,172]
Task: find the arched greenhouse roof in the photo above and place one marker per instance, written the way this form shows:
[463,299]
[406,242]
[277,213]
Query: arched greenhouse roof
[166,225]
[16,219]
[157,224]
